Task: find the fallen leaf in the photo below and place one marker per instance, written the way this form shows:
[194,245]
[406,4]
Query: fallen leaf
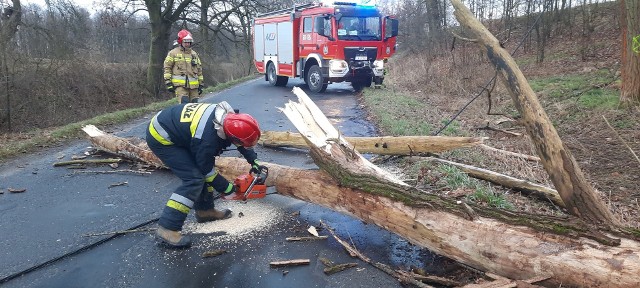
[19,190]
[114,165]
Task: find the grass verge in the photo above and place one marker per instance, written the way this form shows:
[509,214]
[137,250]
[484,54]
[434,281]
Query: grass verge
[44,138]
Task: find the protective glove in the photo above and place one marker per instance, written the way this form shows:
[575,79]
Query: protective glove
[200,87]
[257,168]
[231,191]
[170,87]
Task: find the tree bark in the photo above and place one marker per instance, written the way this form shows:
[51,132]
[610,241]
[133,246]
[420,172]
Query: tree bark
[630,92]
[514,251]
[578,195]
[386,145]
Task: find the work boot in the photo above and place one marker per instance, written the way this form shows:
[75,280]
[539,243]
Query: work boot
[212,215]
[173,239]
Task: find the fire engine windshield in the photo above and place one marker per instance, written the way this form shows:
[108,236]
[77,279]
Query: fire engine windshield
[359,28]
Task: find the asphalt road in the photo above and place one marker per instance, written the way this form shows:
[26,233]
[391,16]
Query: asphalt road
[61,206]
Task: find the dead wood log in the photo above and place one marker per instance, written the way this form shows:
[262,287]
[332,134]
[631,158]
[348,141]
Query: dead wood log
[577,193]
[400,208]
[120,146]
[92,161]
[563,250]
[287,263]
[385,145]
[537,190]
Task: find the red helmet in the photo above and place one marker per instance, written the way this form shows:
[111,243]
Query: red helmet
[185,36]
[241,129]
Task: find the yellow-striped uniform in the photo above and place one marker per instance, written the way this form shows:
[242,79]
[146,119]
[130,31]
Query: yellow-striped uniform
[183,68]
[185,138]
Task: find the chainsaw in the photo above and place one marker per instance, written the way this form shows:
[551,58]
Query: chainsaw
[250,186]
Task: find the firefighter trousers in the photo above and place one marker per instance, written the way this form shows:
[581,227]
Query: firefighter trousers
[186,95]
[192,193]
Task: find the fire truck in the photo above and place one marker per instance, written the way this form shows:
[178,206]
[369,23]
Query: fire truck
[324,43]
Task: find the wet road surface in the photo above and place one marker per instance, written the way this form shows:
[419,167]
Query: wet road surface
[62,205]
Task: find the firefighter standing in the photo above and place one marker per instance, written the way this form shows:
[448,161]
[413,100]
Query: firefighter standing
[183,70]
[187,137]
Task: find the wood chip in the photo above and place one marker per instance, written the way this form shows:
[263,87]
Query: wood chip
[78,157]
[213,253]
[313,231]
[114,165]
[19,190]
[293,262]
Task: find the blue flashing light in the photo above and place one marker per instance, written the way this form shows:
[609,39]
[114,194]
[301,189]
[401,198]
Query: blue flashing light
[360,3]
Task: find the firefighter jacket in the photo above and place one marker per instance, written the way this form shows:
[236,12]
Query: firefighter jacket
[183,67]
[193,127]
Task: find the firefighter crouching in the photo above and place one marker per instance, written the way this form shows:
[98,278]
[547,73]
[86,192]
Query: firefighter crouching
[187,137]
[183,70]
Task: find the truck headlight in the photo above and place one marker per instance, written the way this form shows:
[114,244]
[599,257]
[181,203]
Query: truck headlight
[336,65]
[378,64]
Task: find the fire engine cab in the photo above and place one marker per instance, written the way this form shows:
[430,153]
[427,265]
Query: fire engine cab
[324,43]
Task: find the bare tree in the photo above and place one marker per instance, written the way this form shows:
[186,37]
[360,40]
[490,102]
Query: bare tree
[630,92]
[162,15]
[9,22]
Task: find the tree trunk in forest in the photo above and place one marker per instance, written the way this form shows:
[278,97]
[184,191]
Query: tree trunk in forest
[161,21]
[630,92]
[385,145]
[578,195]
[8,28]
[517,252]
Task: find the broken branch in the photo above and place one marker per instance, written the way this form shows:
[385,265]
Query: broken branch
[93,161]
[286,263]
[307,238]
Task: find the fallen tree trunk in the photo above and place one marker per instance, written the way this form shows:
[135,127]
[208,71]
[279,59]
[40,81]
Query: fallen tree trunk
[386,145]
[401,208]
[577,193]
[516,252]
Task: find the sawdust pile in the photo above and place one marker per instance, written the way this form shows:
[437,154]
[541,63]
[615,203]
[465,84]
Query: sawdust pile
[249,218]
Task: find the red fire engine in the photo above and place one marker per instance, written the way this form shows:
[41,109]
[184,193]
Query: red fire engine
[324,43]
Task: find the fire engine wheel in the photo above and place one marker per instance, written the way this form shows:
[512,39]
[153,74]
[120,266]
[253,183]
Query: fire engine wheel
[315,80]
[273,78]
[362,83]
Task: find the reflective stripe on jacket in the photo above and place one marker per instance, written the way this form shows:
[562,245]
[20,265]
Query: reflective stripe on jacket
[183,68]
[191,126]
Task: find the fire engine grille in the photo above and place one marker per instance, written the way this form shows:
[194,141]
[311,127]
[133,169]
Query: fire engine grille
[355,56]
